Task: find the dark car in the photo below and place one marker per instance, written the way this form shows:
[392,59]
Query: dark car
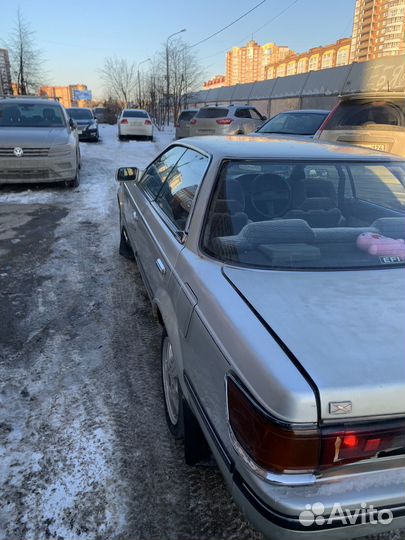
[87,126]
[302,123]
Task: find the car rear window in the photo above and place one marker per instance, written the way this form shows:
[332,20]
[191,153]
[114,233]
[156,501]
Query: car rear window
[135,114]
[187,115]
[294,123]
[214,112]
[368,115]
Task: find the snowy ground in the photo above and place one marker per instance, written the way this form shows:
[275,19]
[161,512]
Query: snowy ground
[84,449]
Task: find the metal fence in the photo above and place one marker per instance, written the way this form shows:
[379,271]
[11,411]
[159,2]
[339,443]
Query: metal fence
[314,90]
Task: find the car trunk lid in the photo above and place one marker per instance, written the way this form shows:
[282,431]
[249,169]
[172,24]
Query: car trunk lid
[346,329]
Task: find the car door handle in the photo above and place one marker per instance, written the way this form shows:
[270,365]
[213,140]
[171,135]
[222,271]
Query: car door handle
[135,216]
[160,266]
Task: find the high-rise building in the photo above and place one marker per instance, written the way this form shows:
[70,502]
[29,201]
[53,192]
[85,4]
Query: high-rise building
[5,73]
[64,94]
[378,29]
[250,63]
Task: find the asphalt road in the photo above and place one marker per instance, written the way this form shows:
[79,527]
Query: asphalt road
[84,448]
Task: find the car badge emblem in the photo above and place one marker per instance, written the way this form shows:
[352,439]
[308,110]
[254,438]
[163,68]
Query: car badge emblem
[18,152]
[340,407]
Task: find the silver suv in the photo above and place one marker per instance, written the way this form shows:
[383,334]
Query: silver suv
[231,120]
[38,143]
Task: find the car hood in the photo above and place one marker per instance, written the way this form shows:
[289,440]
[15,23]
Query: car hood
[85,122]
[346,329]
[37,137]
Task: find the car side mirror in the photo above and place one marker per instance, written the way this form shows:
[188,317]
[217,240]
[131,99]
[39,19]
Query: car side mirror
[72,123]
[126,174]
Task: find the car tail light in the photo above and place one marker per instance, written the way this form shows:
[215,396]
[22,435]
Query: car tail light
[148,123]
[327,120]
[124,121]
[282,448]
[176,125]
[193,122]
[224,121]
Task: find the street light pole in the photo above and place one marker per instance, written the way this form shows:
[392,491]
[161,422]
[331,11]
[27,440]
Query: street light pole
[168,76]
[139,82]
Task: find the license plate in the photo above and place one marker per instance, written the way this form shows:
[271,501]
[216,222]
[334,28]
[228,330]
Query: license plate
[375,146]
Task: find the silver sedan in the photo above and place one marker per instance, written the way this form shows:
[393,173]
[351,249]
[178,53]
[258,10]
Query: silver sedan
[276,269]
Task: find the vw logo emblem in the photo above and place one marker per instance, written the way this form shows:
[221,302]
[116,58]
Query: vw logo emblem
[18,152]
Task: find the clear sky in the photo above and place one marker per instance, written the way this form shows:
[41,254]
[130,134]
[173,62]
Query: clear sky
[76,35]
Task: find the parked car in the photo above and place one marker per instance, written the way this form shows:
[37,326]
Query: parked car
[135,123]
[183,123]
[38,143]
[87,126]
[303,123]
[276,269]
[370,120]
[231,120]
[101,114]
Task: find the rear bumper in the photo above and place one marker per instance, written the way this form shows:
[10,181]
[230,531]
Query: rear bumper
[37,170]
[141,131]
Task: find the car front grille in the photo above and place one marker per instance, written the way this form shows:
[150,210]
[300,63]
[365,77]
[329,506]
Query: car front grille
[24,174]
[27,152]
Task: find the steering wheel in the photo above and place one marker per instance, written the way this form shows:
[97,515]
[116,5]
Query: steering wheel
[270,195]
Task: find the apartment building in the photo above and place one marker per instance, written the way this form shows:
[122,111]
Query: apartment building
[5,73]
[336,54]
[250,63]
[64,94]
[378,29]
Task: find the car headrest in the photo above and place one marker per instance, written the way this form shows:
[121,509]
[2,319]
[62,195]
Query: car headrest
[278,231]
[393,227]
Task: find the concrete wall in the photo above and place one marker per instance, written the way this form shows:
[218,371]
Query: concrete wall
[314,90]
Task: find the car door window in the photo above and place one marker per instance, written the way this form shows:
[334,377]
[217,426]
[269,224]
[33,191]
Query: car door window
[158,171]
[178,192]
[255,115]
[243,113]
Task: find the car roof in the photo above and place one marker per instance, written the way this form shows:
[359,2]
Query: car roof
[301,111]
[140,110]
[30,101]
[245,147]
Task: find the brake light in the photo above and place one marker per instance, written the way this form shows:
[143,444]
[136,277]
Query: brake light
[176,125]
[224,121]
[148,123]
[282,448]
[327,120]
[124,121]
[193,121]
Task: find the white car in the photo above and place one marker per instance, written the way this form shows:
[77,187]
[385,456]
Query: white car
[135,123]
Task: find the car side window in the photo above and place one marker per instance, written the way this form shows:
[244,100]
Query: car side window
[243,113]
[178,192]
[255,115]
[156,174]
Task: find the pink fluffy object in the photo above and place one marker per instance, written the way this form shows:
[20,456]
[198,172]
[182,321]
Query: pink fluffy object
[376,244]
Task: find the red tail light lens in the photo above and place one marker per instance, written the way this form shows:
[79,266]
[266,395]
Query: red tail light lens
[124,121]
[193,122]
[177,125]
[281,448]
[148,123]
[224,121]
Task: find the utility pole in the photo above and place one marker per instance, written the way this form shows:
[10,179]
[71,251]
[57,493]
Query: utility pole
[139,83]
[168,76]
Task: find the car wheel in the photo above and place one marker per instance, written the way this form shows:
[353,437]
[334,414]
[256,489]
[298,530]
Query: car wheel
[172,394]
[76,180]
[125,248]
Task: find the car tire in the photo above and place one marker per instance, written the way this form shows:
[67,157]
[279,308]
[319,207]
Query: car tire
[121,137]
[172,394]
[125,249]
[76,180]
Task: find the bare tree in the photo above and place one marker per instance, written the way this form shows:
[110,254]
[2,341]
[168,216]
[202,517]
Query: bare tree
[119,78]
[25,59]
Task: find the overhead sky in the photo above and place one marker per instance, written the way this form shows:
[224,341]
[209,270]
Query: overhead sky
[76,35]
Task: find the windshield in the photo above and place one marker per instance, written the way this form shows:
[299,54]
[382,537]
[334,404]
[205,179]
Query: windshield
[297,124]
[319,215]
[80,114]
[31,115]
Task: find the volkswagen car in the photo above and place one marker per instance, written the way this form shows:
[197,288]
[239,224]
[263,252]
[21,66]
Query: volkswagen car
[38,143]
[276,270]
[228,120]
[87,125]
